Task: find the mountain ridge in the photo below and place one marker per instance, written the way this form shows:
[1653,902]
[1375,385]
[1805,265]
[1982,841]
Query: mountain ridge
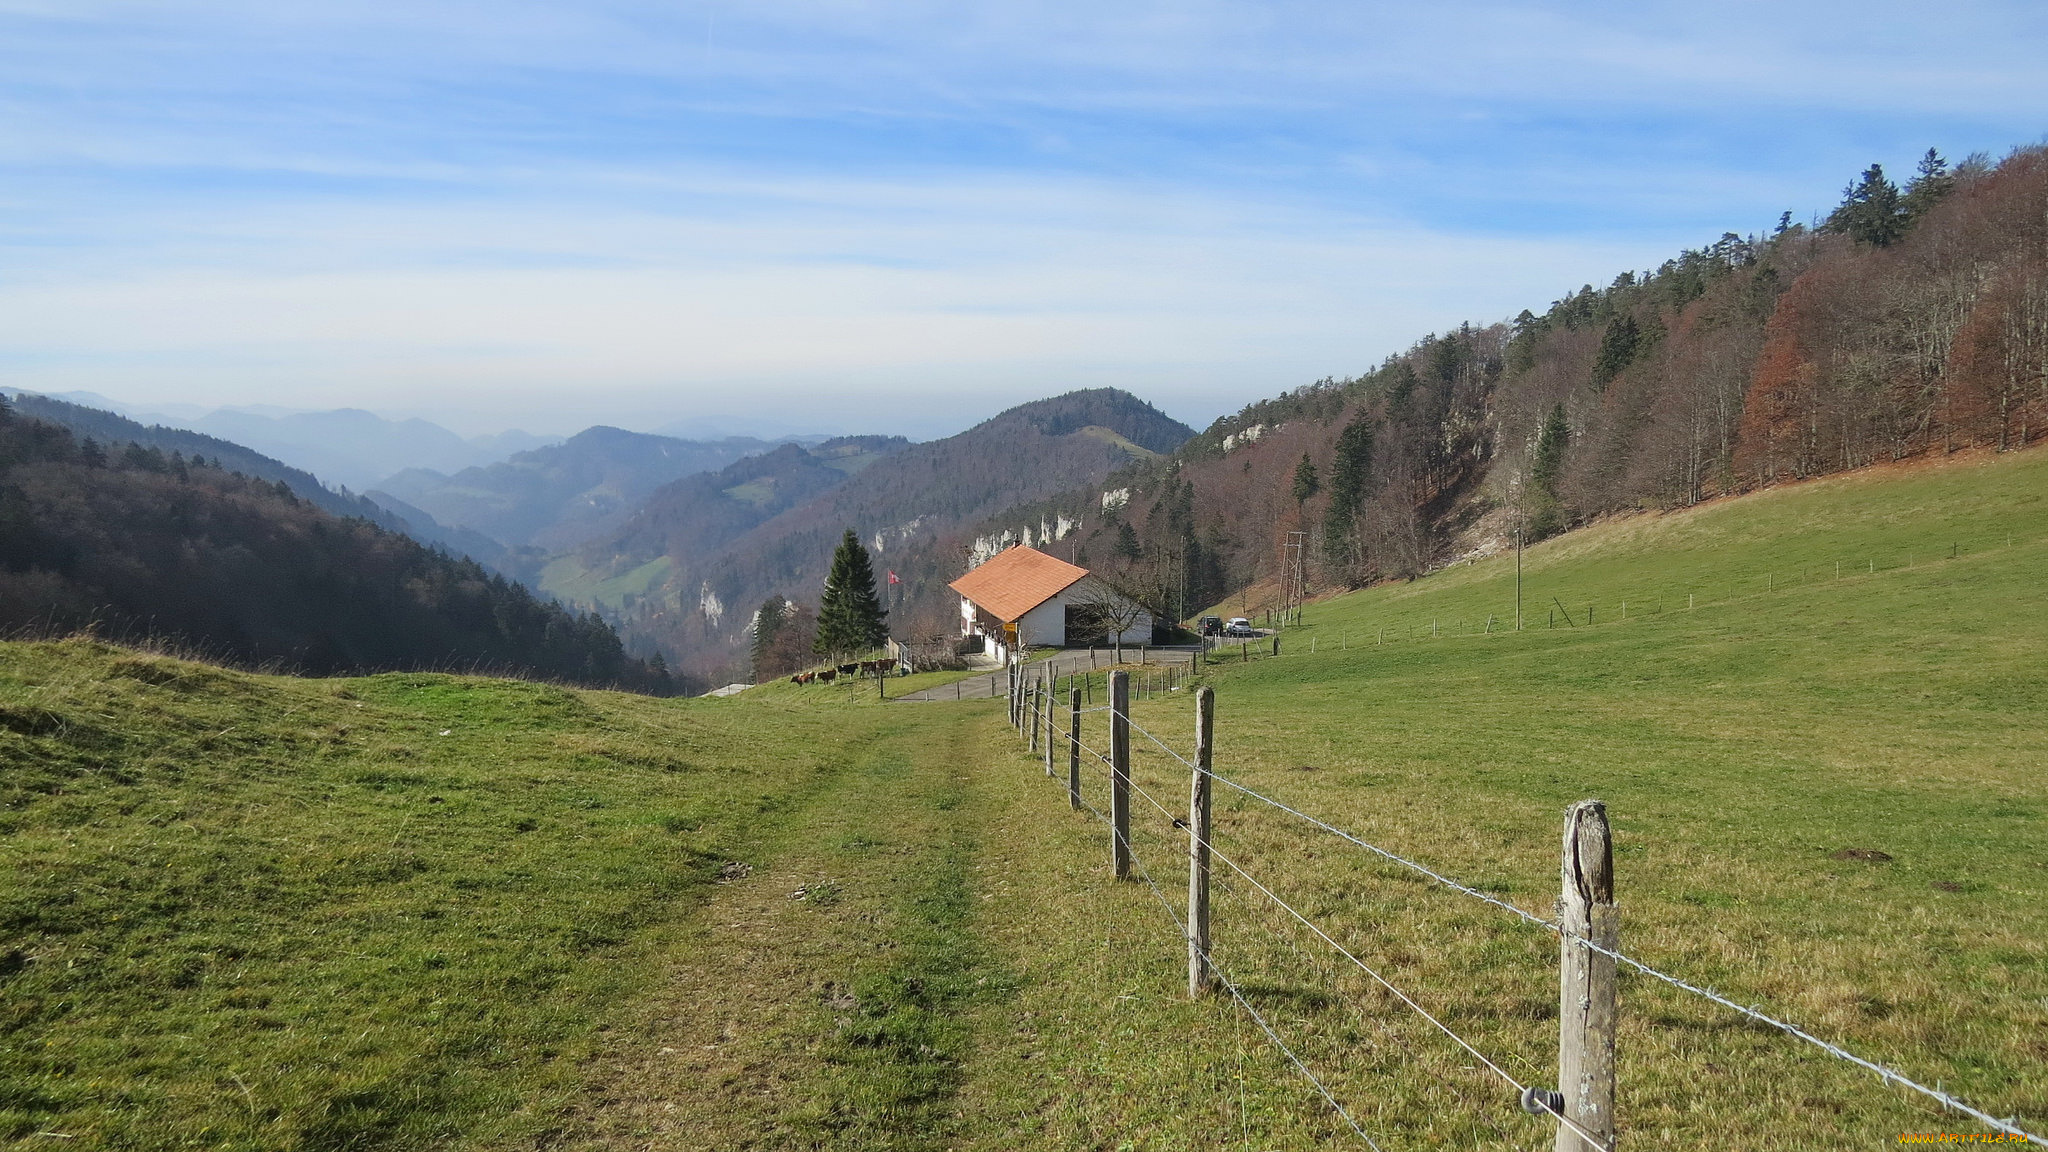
[914,495]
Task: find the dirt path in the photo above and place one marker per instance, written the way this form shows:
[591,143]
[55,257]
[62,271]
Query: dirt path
[826,998]
[932,955]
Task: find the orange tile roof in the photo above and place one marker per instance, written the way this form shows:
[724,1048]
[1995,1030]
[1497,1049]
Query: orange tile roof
[1014,581]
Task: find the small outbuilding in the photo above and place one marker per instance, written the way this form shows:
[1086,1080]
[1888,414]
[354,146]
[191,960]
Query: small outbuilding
[1022,597]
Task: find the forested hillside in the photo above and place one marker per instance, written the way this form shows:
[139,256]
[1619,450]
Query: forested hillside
[112,430]
[139,543]
[1914,320]
[900,503]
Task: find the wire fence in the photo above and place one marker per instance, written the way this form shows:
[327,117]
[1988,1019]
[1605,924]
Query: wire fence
[1532,1098]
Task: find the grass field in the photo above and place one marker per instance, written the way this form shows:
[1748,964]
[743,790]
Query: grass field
[251,912]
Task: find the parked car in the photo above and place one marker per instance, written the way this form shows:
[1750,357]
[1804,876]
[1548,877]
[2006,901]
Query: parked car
[1239,626]
[1210,626]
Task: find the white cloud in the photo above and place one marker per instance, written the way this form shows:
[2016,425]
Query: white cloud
[474,204]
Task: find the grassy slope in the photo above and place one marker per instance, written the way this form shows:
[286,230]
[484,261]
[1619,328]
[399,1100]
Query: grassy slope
[256,912]
[1739,745]
[244,921]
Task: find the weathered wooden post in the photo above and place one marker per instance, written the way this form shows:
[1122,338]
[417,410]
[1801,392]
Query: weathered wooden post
[1120,772]
[1276,643]
[1586,988]
[1031,715]
[1052,698]
[1200,978]
[1074,749]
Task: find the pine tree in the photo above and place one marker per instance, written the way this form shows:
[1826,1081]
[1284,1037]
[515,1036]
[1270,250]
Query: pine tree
[1544,470]
[1870,210]
[1618,346]
[768,622]
[1306,482]
[1932,182]
[1126,547]
[1349,473]
[850,616]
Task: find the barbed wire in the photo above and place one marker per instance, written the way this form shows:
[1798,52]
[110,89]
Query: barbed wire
[2007,1125]
[1235,992]
[1520,1088]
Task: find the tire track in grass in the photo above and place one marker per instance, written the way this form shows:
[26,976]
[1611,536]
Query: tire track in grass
[830,997]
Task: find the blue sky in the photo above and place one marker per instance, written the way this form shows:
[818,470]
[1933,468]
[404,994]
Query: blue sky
[899,216]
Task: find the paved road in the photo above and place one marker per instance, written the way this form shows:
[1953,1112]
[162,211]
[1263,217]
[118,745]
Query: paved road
[1063,662]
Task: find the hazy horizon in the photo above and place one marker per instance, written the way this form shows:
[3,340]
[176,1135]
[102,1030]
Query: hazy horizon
[902,218]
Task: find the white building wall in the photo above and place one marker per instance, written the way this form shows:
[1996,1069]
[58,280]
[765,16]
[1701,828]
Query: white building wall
[1046,625]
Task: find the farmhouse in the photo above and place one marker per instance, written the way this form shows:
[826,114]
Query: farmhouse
[1023,597]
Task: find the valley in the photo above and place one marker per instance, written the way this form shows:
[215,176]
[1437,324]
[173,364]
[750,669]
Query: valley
[421,910]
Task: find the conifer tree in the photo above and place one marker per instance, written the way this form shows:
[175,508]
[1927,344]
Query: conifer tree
[850,616]
[1306,482]
[1870,210]
[1618,346]
[1349,473]
[1932,182]
[768,621]
[1127,543]
[1544,471]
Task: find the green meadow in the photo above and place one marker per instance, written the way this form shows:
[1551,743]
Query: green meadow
[424,911]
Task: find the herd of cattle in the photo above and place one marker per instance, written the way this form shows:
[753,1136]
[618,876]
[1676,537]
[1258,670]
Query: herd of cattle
[857,668]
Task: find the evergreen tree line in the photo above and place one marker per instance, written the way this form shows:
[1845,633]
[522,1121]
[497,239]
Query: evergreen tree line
[138,543]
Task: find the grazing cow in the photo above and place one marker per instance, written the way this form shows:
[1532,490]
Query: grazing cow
[849,669]
[828,675]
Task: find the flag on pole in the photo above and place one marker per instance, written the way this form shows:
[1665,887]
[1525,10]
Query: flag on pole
[892,577]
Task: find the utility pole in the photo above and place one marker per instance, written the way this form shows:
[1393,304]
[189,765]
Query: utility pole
[1291,553]
[1521,522]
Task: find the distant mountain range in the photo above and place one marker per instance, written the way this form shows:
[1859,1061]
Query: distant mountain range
[685,572]
[557,497]
[675,541]
[344,447]
[110,429]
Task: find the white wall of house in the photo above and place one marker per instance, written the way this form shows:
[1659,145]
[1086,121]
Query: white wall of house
[1046,625]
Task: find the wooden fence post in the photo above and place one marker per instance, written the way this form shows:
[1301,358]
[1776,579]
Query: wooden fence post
[1052,700]
[1276,643]
[1120,772]
[1074,749]
[1031,715]
[1200,978]
[1586,986]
